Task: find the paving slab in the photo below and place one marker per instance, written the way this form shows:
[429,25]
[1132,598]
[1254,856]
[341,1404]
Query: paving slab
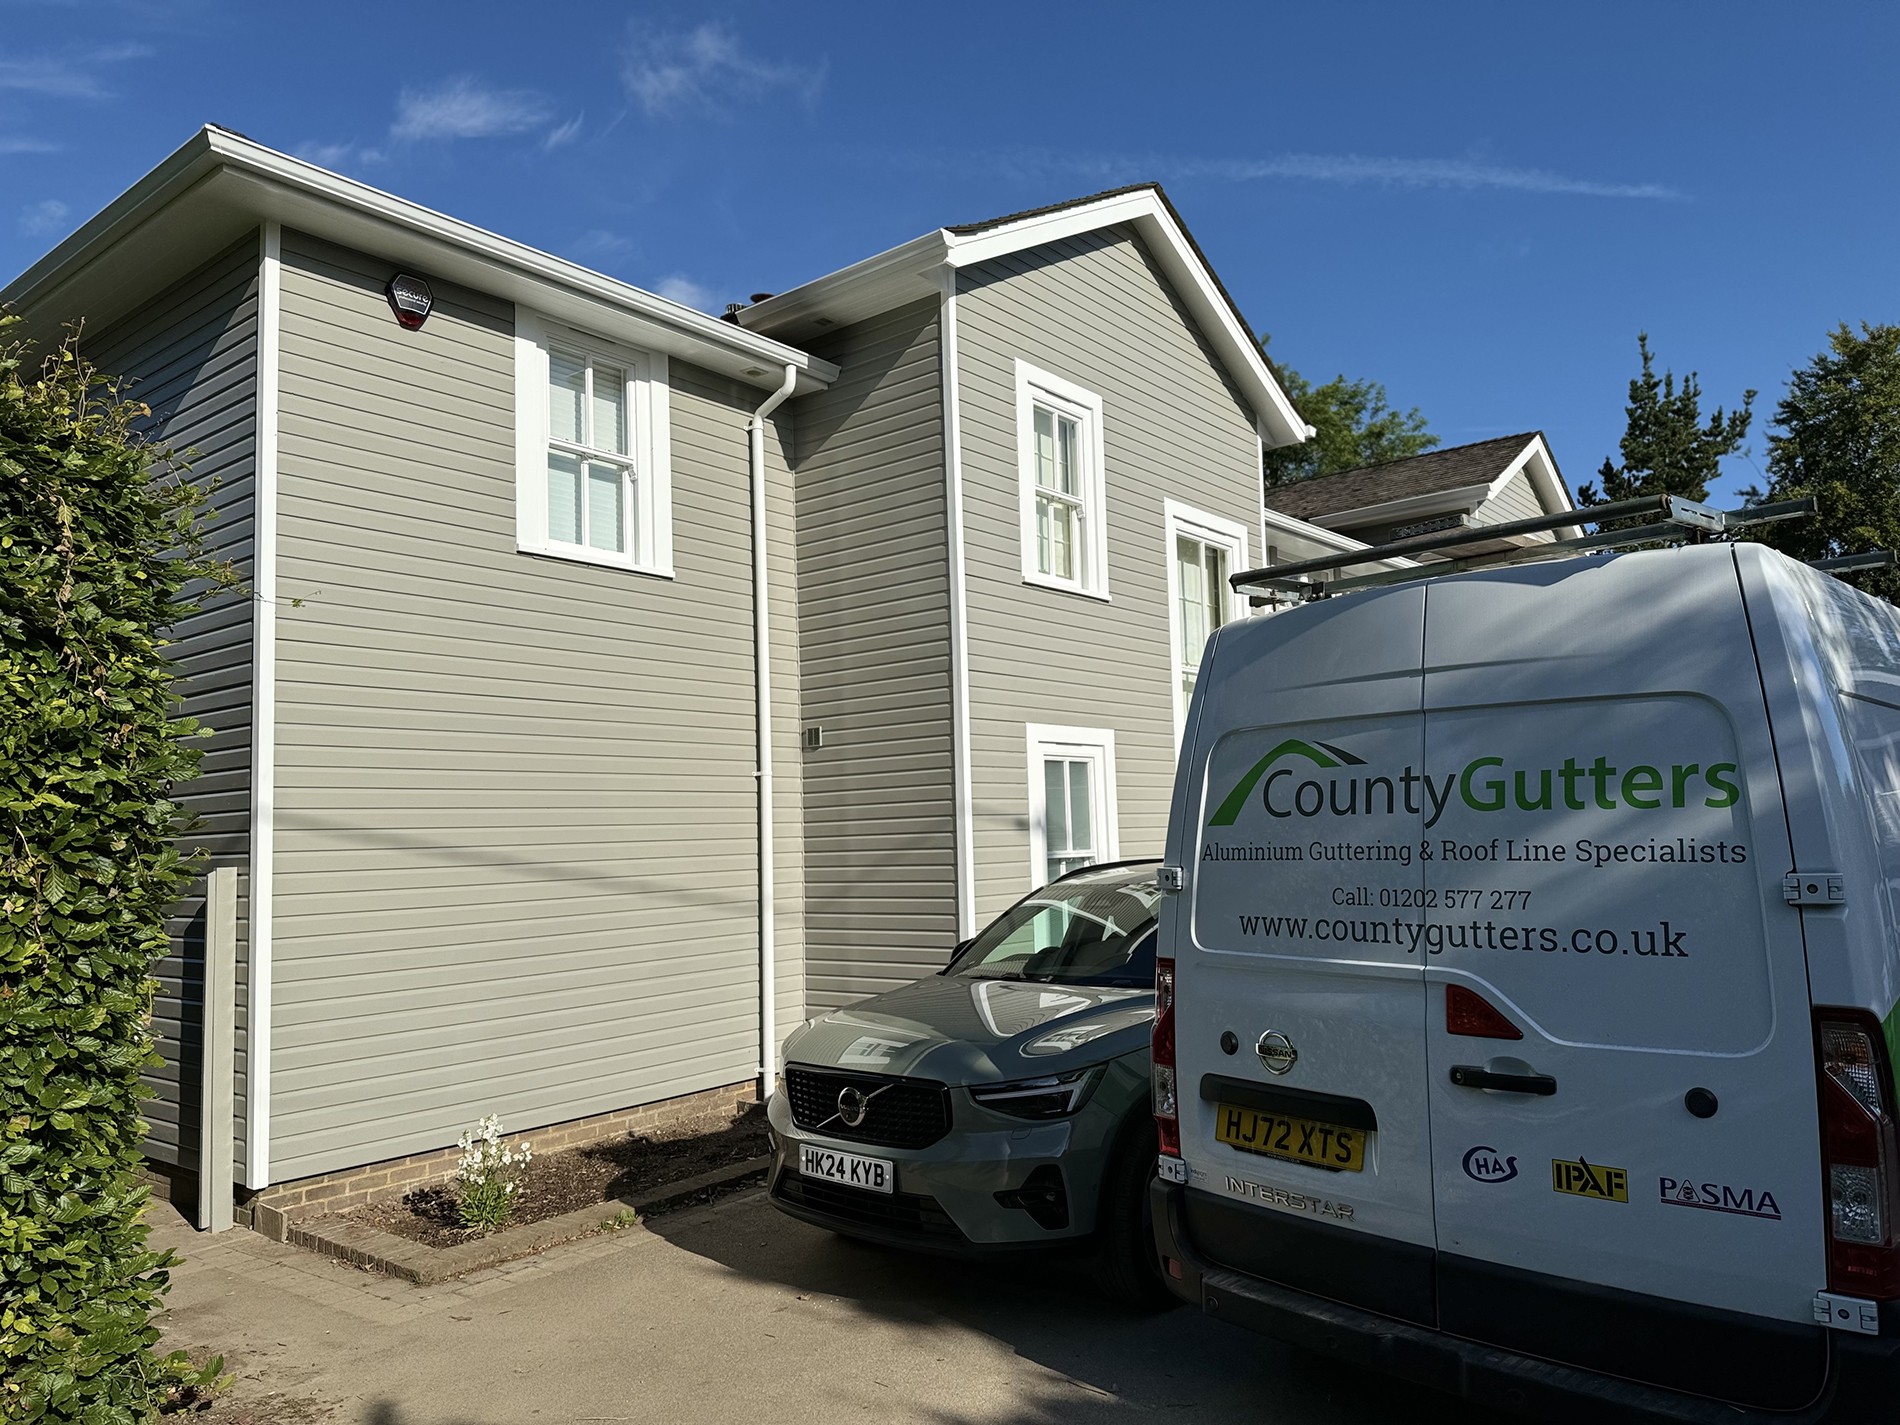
[731,1313]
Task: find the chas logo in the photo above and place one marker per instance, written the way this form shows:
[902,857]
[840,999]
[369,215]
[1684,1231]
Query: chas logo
[1486,1166]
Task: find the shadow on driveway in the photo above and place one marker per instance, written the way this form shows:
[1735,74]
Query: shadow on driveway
[1048,1311]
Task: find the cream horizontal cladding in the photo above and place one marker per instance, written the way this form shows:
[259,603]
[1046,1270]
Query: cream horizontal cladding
[190,354]
[1094,310]
[1516,501]
[874,625]
[516,843]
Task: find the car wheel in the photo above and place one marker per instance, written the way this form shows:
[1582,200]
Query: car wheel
[1127,1266]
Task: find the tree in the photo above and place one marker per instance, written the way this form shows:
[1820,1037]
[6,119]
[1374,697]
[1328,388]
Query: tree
[1836,436]
[1355,428]
[98,545]
[1667,448]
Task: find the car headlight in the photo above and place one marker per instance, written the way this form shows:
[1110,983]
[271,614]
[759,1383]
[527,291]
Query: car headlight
[1049,1096]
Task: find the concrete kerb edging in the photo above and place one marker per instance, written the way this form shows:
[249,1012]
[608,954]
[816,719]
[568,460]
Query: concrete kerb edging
[363,1246]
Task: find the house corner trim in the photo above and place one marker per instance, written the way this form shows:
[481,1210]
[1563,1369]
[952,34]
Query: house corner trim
[965,858]
[263,711]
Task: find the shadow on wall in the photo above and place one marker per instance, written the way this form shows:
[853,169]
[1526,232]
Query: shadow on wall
[1047,1310]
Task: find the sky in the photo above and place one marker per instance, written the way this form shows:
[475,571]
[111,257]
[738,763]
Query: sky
[1477,205]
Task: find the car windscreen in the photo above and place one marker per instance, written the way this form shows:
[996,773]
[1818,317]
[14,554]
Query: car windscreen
[1092,929]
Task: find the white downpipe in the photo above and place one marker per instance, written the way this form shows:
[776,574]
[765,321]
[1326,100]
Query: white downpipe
[762,664]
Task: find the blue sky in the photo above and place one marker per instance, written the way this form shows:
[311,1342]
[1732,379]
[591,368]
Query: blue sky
[1477,204]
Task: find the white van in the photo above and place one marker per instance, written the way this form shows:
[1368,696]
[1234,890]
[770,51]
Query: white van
[1527,1019]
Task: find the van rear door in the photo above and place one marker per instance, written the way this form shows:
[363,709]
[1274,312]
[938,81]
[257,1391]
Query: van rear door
[1625,1156]
[1299,1004]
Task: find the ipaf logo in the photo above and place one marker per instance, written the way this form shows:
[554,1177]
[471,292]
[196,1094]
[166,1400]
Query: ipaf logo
[1308,778]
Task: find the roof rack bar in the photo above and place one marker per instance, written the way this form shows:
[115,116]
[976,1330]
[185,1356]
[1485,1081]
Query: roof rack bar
[1680,518]
[1850,563]
[1426,544]
[1498,559]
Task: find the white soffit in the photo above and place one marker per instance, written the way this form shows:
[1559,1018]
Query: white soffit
[218,185]
[908,273]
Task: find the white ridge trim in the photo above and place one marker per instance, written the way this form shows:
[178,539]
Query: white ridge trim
[964,817]
[263,710]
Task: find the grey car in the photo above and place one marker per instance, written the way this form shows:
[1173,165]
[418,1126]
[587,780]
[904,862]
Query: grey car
[999,1105]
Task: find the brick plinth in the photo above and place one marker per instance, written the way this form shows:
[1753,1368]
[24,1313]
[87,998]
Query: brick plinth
[272,1210]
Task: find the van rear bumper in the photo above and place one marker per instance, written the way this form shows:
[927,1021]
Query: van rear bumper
[1862,1384]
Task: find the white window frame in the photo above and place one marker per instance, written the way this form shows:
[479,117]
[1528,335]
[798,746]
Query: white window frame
[1092,744]
[1181,519]
[1034,387]
[649,446]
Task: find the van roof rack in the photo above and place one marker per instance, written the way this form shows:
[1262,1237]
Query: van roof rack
[1657,517]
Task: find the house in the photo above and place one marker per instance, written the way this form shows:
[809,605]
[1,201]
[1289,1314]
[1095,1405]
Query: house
[616,685]
[1491,482]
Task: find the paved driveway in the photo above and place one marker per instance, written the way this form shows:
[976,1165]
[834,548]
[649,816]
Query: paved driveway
[732,1313]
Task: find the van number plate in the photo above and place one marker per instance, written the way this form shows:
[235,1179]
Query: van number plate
[851,1169]
[1296,1140]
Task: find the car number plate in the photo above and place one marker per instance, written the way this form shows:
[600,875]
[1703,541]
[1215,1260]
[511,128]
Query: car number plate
[1296,1140]
[851,1169]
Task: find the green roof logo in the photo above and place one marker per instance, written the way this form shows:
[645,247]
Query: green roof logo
[1320,754]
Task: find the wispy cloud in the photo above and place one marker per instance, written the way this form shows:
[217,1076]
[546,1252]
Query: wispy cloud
[47,216]
[67,77]
[562,135]
[1460,173]
[325,155]
[465,109]
[1352,169]
[685,291]
[705,70]
[601,245]
[25,145]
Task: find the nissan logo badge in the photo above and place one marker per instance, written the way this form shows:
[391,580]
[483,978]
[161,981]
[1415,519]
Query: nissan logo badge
[1276,1052]
[410,299]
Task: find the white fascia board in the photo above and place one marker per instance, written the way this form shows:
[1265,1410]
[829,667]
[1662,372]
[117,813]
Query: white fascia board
[1272,519]
[1540,468]
[909,272]
[1464,497]
[229,173]
[1145,212]
[905,273]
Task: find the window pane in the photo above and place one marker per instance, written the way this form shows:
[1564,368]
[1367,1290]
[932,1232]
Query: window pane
[1216,586]
[1045,448]
[610,410]
[1055,538]
[1067,435]
[605,487]
[1191,580]
[1081,818]
[564,498]
[1055,806]
[566,383]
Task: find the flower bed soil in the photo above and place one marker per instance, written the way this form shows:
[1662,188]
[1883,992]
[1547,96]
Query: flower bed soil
[620,1168]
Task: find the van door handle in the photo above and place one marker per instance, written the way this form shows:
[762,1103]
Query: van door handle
[1470,1076]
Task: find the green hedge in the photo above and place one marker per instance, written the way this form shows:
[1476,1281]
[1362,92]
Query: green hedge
[98,551]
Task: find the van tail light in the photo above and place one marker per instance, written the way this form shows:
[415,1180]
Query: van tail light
[1167,1103]
[1860,1153]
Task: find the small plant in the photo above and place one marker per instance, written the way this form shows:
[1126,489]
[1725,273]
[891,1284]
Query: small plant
[488,1178]
[624,1218]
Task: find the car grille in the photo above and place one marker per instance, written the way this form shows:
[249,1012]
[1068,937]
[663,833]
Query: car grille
[901,1113]
[907,1213]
